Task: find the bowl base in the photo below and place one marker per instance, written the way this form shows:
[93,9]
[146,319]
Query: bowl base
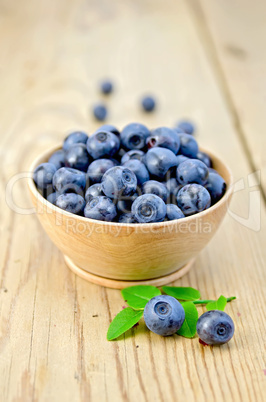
[120,284]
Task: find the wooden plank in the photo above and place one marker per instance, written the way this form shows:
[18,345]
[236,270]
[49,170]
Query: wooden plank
[234,33]
[53,325]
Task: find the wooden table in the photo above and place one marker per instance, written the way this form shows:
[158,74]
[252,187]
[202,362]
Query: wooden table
[203,59]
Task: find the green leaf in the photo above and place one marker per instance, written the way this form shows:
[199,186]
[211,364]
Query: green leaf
[188,329]
[217,304]
[182,293]
[124,320]
[138,296]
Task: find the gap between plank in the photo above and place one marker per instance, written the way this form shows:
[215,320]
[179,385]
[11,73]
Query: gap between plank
[195,9]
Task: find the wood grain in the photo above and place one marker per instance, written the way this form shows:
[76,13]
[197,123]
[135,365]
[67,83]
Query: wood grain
[53,324]
[234,35]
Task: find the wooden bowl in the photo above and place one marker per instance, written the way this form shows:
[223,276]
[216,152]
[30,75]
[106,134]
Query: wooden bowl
[119,255]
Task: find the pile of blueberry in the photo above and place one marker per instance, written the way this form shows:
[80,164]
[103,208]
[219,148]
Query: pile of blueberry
[133,176]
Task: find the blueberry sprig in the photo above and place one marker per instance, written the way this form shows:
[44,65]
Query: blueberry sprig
[173,312]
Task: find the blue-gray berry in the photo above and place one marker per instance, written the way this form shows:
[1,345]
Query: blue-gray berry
[102,144]
[215,327]
[97,169]
[159,160]
[188,145]
[157,188]
[43,175]
[216,186]
[77,137]
[100,112]
[173,212]
[192,171]
[193,198]
[68,180]
[100,208]
[119,181]
[106,87]
[164,315]
[93,191]
[134,136]
[186,126]
[58,159]
[148,208]
[71,202]
[77,157]
[148,103]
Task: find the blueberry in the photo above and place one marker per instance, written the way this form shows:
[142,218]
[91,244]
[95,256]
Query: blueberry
[119,181]
[157,188]
[106,87]
[124,204]
[148,103]
[203,157]
[164,315]
[110,128]
[192,171]
[148,208]
[211,170]
[215,327]
[126,218]
[97,169]
[121,152]
[45,192]
[173,187]
[93,191]
[103,143]
[139,169]
[77,137]
[77,157]
[100,208]
[216,186]
[71,202]
[180,159]
[178,130]
[159,161]
[134,136]
[43,175]
[52,198]
[193,198]
[58,159]
[100,112]
[68,180]
[164,137]
[188,145]
[133,154]
[173,212]
[186,126]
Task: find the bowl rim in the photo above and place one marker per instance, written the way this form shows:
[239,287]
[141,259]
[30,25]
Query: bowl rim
[39,159]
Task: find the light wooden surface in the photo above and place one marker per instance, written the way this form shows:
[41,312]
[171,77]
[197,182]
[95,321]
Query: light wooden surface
[53,324]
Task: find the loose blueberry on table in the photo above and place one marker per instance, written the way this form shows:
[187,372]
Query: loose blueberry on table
[100,112]
[164,315]
[106,87]
[133,176]
[215,327]
[148,103]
